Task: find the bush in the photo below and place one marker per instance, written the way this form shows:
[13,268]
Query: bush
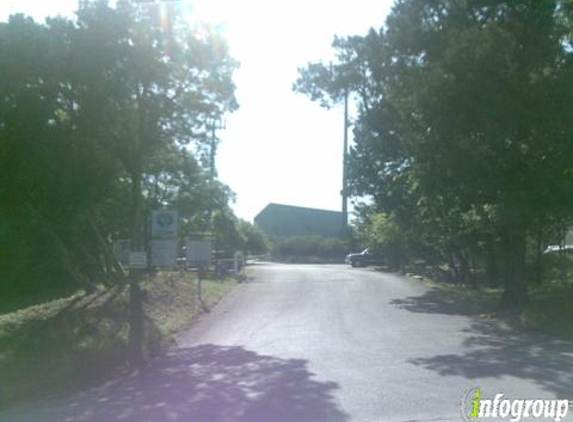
[308,248]
[384,237]
[256,240]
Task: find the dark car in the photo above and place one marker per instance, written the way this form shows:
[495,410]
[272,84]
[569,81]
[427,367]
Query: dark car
[362,259]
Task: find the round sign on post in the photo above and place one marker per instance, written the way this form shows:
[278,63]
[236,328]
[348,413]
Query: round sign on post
[164,224]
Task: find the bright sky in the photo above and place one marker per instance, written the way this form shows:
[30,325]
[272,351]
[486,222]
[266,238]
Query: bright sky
[279,146]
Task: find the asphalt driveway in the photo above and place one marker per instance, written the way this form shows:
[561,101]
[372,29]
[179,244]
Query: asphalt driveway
[325,343]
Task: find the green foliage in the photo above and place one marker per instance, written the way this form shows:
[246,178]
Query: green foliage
[225,227]
[98,119]
[233,234]
[384,237]
[177,180]
[462,134]
[256,240]
[84,337]
[299,247]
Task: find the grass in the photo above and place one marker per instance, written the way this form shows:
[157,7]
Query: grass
[74,340]
[549,311]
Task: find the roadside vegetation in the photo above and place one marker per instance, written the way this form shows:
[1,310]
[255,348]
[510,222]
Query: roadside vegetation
[105,118]
[308,249]
[462,161]
[74,341]
[548,310]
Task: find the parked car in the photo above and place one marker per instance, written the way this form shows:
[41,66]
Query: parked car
[362,259]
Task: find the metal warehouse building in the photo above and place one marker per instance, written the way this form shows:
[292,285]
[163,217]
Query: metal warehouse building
[278,220]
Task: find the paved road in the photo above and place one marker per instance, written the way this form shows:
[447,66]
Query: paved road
[318,343]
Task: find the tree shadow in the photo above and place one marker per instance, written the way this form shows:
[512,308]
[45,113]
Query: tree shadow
[495,350]
[208,383]
[496,347]
[450,302]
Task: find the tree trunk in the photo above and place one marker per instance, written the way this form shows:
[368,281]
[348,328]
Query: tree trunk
[67,263]
[563,255]
[136,212]
[474,281]
[492,271]
[515,292]
[90,264]
[465,271]
[456,277]
[66,260]
[112,266]
[539,257]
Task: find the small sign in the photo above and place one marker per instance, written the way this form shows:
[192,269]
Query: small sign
[164,253]
[138,260]
[198,252]
[164,224]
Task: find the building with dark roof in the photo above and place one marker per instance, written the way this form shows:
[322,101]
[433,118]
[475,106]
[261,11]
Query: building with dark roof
[278,220]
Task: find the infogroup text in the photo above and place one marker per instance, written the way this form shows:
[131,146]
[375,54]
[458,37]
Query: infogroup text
[474,407]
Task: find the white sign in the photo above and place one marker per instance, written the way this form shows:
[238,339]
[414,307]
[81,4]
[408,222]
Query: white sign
[138,260]
[164,224]
[164,253]
[198,252]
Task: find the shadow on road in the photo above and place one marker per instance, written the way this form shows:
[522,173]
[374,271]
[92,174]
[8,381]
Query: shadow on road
[209,384]
[494,347]
[449,302]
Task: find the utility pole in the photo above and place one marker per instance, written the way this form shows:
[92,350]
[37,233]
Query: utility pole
[216,123]
[213,153]
[344,191]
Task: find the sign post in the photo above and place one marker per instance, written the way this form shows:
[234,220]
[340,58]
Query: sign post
[137,264]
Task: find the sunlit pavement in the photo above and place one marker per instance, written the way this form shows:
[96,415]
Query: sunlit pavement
[324,343]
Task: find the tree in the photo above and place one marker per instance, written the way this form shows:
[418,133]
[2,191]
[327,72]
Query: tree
[176,179]
[462,132]
[256,240]
[225,227]
[53,173]
[101,115]
[471,72]
[149,86]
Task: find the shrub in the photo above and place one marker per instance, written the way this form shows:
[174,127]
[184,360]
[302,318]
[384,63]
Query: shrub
[308,247]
